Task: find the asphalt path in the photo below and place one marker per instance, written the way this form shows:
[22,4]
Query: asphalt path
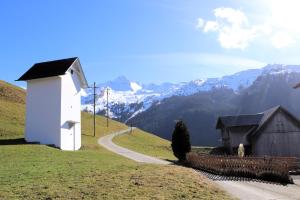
[245,189]
[253,189]
[106,141]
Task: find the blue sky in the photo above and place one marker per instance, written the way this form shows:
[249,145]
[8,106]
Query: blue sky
[149,41]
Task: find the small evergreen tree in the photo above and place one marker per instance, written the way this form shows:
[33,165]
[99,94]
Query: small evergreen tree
[181,141]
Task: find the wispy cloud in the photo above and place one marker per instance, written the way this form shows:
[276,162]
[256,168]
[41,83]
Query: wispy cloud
[236,31]
[172,66]
[184,66]
[232,27]
[282,39]
[200,59]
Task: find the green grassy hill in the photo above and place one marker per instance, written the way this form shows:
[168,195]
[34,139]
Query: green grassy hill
[31,171]
[146,143]
[12,110]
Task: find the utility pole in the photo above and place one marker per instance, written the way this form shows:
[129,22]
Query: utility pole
[107,110]
[94,87]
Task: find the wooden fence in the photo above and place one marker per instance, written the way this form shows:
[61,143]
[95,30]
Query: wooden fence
[266,168]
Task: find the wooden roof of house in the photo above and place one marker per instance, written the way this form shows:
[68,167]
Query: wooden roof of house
[51,69]
[239,120]
[259,120]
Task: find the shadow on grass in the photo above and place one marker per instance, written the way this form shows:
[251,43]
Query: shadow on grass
[174,162]
[17,141]
[88,135]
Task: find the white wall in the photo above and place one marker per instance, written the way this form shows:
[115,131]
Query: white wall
[70,111]
[51,103]
[43,110]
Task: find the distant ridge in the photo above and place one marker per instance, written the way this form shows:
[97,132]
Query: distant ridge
[129,98]
[200,111]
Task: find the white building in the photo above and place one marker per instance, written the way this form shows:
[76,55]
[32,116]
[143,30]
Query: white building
[53,103]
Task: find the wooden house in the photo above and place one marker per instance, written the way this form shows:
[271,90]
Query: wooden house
[275,132]
[53,103]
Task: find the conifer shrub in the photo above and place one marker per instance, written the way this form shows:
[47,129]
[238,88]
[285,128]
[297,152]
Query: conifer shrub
[181,141]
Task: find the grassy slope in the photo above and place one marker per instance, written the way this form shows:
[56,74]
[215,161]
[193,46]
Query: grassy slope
[88,141]
[205,150]
[146,143]
[12,110]
[40,172]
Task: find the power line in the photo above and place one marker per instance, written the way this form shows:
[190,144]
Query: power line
[94,88]
[107,109]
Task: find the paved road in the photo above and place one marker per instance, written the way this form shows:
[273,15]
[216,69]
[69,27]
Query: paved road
[106,141]
[242,189]
[257,190]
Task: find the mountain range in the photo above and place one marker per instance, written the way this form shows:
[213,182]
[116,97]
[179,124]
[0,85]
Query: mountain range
[155,107]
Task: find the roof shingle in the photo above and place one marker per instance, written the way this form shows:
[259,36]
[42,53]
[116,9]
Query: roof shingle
[259,120]
[239,120]
[48,69]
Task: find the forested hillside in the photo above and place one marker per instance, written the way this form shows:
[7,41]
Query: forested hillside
[200,111]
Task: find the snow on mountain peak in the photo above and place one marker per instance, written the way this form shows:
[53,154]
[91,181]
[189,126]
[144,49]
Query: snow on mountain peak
[127,98]
[280,69]
[135,86]
[121,83]
[199,82]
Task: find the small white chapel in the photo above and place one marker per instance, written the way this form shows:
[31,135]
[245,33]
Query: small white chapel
[53,103]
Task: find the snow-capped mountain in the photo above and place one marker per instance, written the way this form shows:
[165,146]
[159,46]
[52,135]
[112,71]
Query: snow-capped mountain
[128,98]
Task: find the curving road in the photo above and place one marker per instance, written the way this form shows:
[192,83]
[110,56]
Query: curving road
[247,190]
[106,141]
[262,191]
[251,189]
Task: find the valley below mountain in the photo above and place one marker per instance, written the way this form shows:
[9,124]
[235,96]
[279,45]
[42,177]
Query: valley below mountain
[156,108]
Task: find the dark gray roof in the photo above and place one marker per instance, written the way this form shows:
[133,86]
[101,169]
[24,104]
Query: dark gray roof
[48,69]
[268,114]
[258,119]
[239,120]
